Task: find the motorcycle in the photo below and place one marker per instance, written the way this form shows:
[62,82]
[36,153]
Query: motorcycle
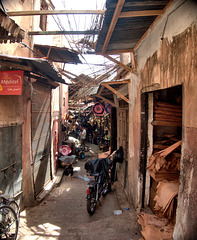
[104,172]
[100,170]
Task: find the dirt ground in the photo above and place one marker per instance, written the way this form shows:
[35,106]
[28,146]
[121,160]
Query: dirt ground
[63,214]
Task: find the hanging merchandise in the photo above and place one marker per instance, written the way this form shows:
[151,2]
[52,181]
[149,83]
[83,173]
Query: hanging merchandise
[108,108]
[65,150]
[98,109]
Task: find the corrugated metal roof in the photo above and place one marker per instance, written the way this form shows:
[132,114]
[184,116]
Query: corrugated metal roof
[128,30]
[34,65]
[9,30]
[57,54]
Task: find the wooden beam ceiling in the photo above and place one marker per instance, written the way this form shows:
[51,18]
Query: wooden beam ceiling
[117,12]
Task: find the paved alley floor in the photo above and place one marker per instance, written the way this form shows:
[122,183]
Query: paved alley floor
[63,215]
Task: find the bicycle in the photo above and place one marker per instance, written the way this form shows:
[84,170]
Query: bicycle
[7,200]
[9,223]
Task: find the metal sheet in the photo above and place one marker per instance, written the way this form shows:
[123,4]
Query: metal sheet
[11,159]
[41,137]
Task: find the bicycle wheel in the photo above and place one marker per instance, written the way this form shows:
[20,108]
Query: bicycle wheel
[8,223]
[15,206]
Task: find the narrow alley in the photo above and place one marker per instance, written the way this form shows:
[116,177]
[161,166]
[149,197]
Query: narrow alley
[63,215]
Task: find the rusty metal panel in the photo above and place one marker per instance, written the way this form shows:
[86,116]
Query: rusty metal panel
[41,137]
[11,159]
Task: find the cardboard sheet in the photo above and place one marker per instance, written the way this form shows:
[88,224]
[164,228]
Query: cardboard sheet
[155,228]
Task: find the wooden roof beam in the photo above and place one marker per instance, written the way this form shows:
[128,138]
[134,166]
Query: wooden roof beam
[115,92]
[119,63]
[53,12]
[119,82]
[116,51]
[116,15]
[105,99]
[86,32]
[140,13]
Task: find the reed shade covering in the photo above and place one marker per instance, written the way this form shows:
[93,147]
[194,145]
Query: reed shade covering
[98,109]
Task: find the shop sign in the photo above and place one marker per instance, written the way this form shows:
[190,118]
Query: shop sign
[11,82]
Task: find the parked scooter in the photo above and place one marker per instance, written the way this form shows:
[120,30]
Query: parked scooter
[104,172]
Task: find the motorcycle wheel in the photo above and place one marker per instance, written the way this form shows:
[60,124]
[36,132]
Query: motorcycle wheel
[91,205]
[106,187]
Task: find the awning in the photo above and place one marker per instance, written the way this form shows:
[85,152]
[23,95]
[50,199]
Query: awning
[57,54]
[33,67]
[108,89]
[126,23]
[9,30]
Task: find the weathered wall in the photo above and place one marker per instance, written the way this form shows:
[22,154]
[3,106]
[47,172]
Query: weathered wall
[16,110]
[167,58]
[24,22]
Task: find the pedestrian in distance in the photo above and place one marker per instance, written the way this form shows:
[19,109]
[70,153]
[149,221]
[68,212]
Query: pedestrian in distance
[83,136]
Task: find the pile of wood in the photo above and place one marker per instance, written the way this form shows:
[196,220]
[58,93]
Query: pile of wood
[165,141]
[155,228]
[165,164]
[166,114]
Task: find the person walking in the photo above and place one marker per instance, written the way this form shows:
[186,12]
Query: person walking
[83,136]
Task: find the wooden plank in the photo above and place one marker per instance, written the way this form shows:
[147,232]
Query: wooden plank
[116,51]
[119,63]
[87,32]
[101,89]
[100,77]
[166,123]
[119,82]
[166,104]
[140,13]
[63,70]
[168,109]
[173,113]
[106,100]
[114,20]
[53,12]
[115,92]
[167,116]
